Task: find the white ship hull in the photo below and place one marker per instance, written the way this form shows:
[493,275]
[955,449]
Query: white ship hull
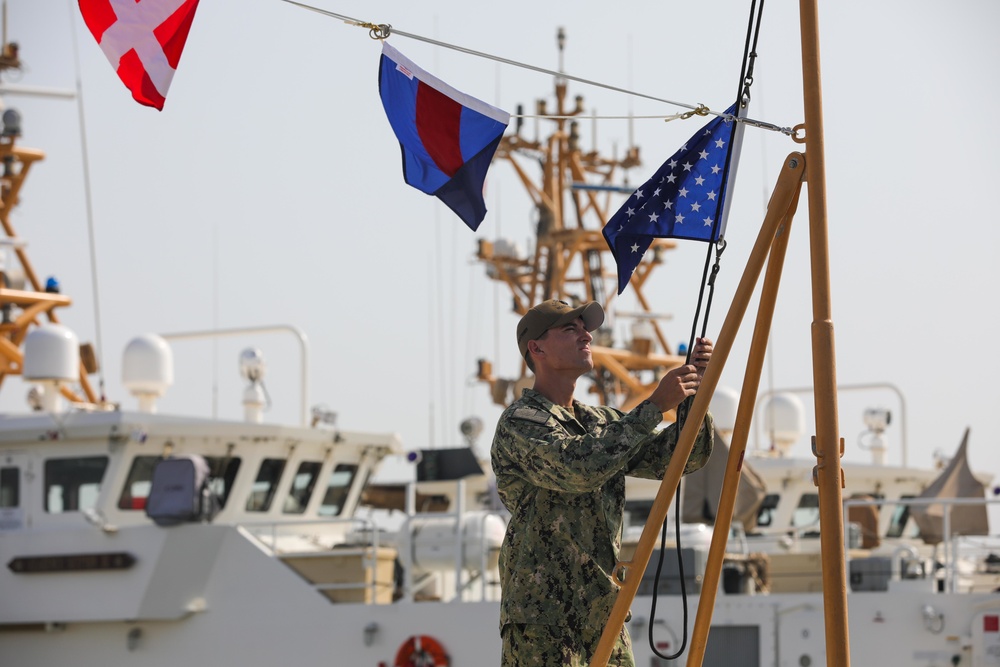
[205,594]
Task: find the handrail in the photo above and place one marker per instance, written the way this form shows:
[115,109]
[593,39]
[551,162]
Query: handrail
[947,539]
[298,333]
[405,555]
[368,526]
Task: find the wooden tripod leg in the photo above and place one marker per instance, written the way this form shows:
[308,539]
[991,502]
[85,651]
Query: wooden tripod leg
[828,448]
[628,575]
[744,415]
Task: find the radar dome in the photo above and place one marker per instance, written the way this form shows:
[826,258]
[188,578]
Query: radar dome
[148,366]
[784,419]
[725,402]
[51,352]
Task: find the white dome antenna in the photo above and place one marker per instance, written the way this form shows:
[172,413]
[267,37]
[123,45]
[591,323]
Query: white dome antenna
[724,405]
[51,357]
[148,369]
[784,421]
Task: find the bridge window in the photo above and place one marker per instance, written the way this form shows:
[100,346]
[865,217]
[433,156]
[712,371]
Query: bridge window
[807,513]
[337,489]
[72,484]
[10,489]
[133,496]
[302,487]
[265,485]
[765,515]
[899,521]
[222,474]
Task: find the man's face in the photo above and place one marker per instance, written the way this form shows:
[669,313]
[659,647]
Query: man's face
[567,347]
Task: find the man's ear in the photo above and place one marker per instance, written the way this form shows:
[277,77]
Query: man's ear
[533,348]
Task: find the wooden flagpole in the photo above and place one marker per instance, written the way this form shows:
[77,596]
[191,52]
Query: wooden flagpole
[628,574]
[744,414]
[827,447]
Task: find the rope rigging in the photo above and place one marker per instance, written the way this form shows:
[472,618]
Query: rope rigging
[709,275]
[382,31]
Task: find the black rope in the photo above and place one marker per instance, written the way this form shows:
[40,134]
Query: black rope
[717,248]
[656,584]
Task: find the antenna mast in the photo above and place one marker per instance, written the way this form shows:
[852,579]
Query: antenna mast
[572,193]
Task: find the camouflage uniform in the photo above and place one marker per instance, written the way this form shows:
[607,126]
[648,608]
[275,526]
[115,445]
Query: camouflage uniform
[561,473]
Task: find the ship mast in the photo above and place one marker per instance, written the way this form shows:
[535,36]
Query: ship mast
[24,300]
[572,191]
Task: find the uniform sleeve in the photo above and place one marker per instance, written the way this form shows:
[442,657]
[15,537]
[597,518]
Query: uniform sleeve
[651,461]
[546,455]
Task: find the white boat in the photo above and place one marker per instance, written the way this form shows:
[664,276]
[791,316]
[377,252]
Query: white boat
[288,565]
[282,555]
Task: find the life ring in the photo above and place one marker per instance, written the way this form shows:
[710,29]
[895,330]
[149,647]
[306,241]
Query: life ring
[422,651]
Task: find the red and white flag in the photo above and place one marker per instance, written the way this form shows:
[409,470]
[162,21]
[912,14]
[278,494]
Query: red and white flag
[143,39]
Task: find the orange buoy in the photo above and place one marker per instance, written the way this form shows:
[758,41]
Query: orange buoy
[422,651]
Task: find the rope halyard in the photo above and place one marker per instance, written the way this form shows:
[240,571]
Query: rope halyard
[707,280]
[382,31]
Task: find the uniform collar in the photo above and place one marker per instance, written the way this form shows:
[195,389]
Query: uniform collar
[561,413]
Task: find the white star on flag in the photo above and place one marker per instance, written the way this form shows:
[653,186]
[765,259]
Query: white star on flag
[690,185]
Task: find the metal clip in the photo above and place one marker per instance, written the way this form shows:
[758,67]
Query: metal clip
[700,110]
[378,31]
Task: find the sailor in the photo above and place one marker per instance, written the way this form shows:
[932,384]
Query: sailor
[560,467]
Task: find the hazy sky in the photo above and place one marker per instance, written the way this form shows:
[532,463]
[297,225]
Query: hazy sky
[269,191]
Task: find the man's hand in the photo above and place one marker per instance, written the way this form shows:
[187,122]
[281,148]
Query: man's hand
[702,354]
[683,381]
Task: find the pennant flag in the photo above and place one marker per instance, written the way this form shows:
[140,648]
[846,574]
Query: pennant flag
[143,39]
[447,137]
[684,199]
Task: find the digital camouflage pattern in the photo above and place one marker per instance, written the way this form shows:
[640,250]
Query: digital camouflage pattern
[561,474]
[566,646]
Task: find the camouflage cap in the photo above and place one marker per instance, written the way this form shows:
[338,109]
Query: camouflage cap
[554,313]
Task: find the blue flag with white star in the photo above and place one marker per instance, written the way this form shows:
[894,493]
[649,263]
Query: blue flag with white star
[683,200]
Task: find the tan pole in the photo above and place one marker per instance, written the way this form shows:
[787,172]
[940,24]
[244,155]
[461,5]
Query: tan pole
[788,181]
[828,474]
[737,447]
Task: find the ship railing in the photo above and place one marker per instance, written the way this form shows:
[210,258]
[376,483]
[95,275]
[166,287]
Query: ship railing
[315,539]
[790,539]
[950,545]
[413,584]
